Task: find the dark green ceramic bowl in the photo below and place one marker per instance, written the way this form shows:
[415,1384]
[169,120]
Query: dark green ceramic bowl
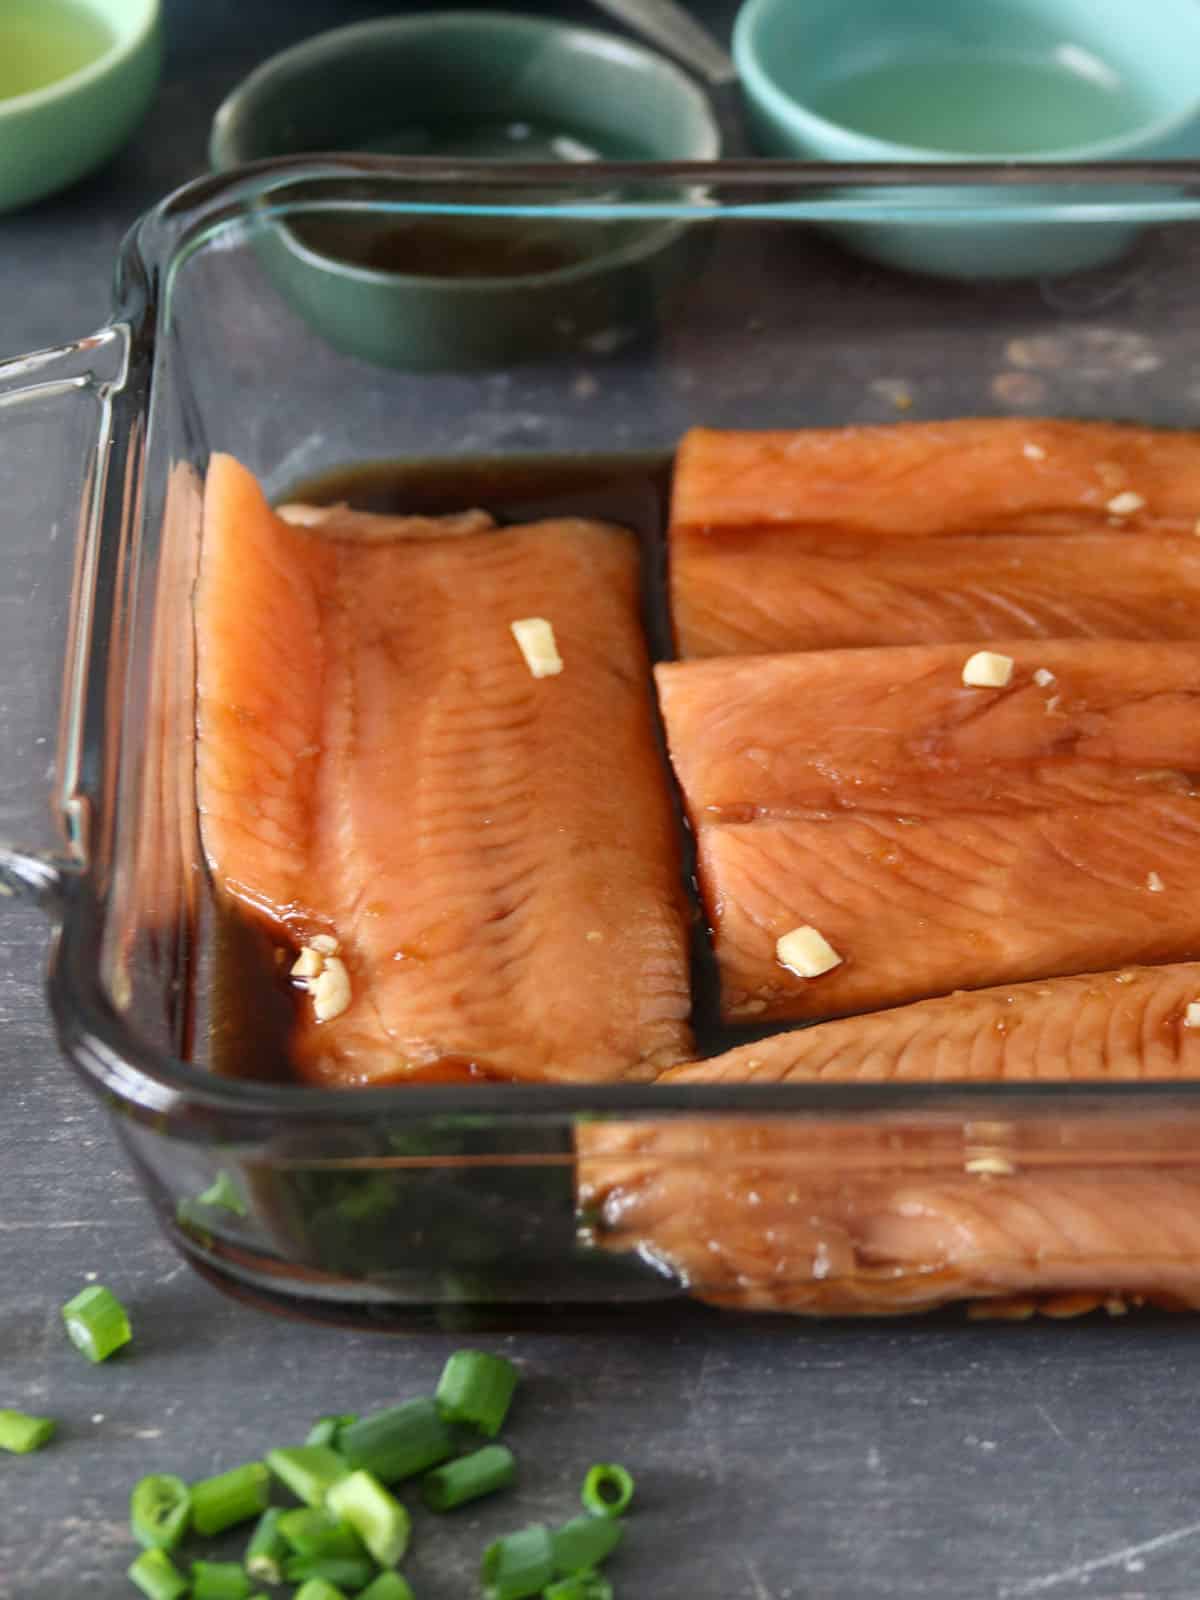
[435,288]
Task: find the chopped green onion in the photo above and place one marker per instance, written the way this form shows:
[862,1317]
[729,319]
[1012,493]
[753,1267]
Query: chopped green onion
[231,1497]
[96,1321]
[469,1478]
[325,1430]
[157,1576]
[219,1580]
[388,1586]
[580,1586]
[267,1549]
[520,1564]
[351,1573]
[223,1191]
[378,1517]
[607,1489]
[21,1433]
[318,1589]
[310,1532]
[159,1508]
[308,1470]
[398,1443]
[584,1542]
[477,1389]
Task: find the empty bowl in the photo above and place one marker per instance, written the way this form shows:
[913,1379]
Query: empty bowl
[467,287]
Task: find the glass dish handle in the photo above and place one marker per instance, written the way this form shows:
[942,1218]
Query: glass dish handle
[55,436]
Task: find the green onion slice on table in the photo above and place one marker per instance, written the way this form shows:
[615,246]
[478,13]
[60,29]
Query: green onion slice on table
[376,1516]
[308,1470]
[268,1549]
[520,1564]
[219,1580]
[583,1543]
[20,1433]
[399,1442]
[456,1482]
[230,1497]
[97,1323]
[607,1490]
[157,1576]
[477,1389]
[160,1508]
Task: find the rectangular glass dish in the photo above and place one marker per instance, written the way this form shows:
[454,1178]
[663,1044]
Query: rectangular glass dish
[307,317]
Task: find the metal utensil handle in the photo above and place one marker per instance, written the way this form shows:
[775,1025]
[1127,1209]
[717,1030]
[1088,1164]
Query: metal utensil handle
[677,31]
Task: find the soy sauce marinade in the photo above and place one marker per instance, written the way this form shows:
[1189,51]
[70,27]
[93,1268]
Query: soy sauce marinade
[253,1000]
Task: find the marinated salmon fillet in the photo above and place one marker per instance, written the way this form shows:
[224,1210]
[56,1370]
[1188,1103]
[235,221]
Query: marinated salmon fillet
[919,533]
[939,836]
[913,1210]
[493,854]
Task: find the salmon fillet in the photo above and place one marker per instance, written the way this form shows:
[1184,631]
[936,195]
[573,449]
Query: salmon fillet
[939,836]
[919,533]
[494,854]
[913,1211]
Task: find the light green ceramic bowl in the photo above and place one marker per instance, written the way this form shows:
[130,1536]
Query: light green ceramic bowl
[792,55]
[54,135]
[460,291]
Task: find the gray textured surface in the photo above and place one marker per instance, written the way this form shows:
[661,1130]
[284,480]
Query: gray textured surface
[776,1461]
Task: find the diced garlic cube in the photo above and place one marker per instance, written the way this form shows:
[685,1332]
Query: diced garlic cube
[1125,504]
[1191,1017]
[1154,883]
[535,638]
[987,670]
[331,990]
[1042,677]
[308,963]
[325,943]
[806,952]
[301,516]
[1033,452]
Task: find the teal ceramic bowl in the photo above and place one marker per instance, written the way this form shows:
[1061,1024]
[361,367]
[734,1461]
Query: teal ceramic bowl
[461,290]
[992,80]
[53,134]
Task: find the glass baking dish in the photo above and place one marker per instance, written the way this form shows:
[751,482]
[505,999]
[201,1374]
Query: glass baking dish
[711,294]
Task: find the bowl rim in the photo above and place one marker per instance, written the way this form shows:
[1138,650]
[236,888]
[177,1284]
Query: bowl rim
[123,48]
[224,152]
[760,86]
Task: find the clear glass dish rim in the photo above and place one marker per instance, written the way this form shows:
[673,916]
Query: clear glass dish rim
[94,1036]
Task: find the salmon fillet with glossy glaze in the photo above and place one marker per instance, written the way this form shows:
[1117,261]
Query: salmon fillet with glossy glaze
[826,1216]
[495,854]
[938,836]
[918,533]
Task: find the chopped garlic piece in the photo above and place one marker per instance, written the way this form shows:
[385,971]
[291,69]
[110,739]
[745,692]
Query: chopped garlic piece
[330,990]
[325,943]
[1154,883]
[308,963]
[535,637]
[1191,1017]
[593,936]
[807,953]
[1052,704]
[301,516]
[1043,676]
[1033,451]
[987,670]
[991,1166]
[1125,504]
